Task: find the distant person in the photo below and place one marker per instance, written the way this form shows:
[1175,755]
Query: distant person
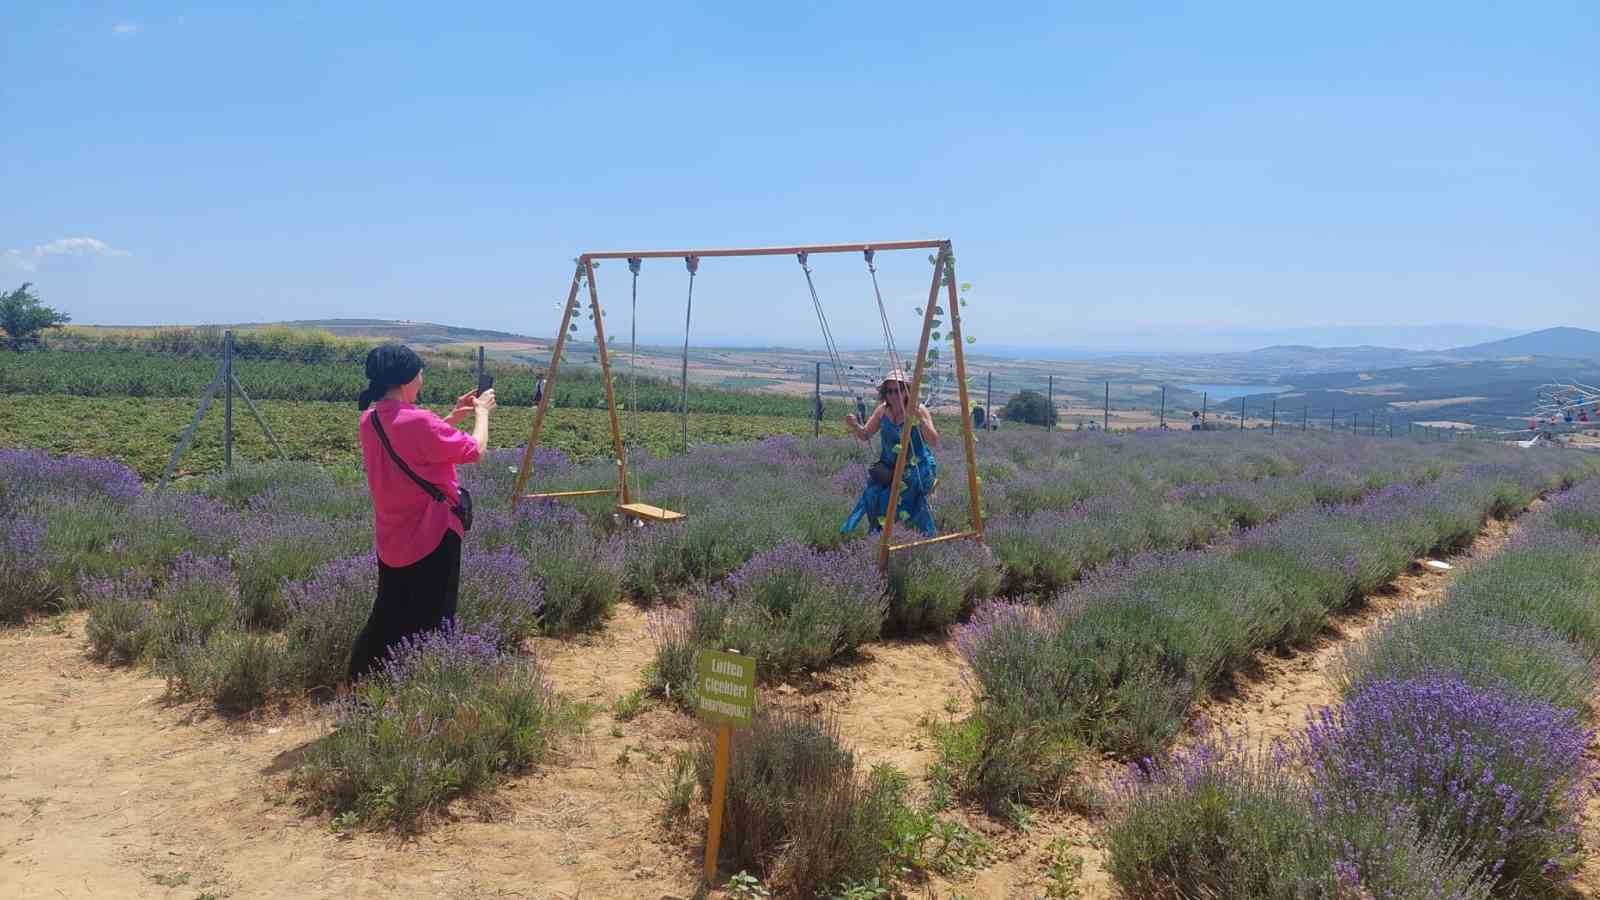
[417,529]
[888,421]
[979,415]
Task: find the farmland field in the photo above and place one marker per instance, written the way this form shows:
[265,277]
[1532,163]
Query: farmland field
[978,702]
[141,432]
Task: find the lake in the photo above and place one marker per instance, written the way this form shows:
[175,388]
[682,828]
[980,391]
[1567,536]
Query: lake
[1220,392]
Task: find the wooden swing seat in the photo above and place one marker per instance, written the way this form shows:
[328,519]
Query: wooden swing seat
[648,513]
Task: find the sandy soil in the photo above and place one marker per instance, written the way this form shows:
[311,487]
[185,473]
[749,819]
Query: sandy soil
[1274,697]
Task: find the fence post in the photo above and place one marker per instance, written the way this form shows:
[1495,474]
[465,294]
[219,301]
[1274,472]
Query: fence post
[1051,390]
[1105,421]
[1332,425]
[816,429]
[1203,397]
[988,402]
[1274,417]
[1241,413]
[1305,418]
[1163,406]
[227,402]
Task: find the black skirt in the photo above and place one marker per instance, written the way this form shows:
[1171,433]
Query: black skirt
[411,600]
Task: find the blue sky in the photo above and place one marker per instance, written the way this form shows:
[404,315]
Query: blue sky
[1114,173]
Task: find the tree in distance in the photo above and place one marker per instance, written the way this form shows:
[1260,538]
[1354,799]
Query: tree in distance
[22,316]
[1030,407]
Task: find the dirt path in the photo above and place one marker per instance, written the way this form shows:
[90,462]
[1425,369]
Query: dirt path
[107,792]
[1274,697]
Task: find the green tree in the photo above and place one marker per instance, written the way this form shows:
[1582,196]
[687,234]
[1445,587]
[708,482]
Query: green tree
[22,316]
[1030,407]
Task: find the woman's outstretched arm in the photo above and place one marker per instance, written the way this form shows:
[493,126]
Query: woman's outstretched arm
[862,432]
[925,425]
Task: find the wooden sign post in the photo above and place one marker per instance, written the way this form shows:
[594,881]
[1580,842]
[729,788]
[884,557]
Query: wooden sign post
[727,697]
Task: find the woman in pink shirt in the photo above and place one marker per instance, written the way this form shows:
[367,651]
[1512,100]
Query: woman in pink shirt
[417,531]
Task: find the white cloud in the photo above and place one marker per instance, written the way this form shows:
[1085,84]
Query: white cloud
[28,259]
[126,29]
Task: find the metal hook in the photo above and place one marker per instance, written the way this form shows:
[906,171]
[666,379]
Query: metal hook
[803,256]
[692,263]
[868,254]
[634,263]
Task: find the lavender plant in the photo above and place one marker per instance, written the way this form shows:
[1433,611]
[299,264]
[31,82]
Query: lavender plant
[1502,779]
[447,715]
[1225,821]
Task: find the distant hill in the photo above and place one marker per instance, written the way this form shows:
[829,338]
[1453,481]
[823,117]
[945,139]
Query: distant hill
[1564,342]
[421,332]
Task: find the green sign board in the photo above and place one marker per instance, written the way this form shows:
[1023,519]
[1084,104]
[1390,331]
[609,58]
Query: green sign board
[727,691]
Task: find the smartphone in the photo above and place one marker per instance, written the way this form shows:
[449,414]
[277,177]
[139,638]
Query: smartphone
[485,382]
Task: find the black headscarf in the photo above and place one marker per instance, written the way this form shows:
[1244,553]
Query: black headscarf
[388,366]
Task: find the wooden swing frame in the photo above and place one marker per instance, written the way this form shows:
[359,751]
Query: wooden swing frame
[944,276]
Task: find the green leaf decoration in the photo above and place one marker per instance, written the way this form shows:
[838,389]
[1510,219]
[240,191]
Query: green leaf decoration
[919,310]
[966,286]
[971,339]
[936,335]
[938,310]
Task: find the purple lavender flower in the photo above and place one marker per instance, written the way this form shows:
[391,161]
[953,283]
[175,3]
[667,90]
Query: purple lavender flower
[1502,777]
[449,648]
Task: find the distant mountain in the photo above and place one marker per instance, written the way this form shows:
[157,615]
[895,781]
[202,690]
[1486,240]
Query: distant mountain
[1566,342]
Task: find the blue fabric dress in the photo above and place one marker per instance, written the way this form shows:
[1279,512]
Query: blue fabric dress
[921,471]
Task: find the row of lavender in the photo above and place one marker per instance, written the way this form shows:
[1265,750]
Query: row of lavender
[1117,663]
[263,578]
[1454,768]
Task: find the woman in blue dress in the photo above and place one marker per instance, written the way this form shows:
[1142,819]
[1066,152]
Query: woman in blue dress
[888,421]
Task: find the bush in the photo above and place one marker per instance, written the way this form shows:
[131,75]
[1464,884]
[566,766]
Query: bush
[793,608]
[1031,407]
[797,808]
[446,716]
[1551,586]
[1487,650]
[279,548]
[1006,765]
[500,595]
[930,587]
[325,613]
[1500,779]
[236,670]
[1224,822]
[25,583]
[581,574]
[121,620]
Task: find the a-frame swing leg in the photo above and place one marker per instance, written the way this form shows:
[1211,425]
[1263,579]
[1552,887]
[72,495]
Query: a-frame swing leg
[893,511]
[549,389]
[969,441]
[605,372]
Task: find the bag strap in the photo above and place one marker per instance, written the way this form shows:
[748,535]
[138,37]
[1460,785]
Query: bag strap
[427,486]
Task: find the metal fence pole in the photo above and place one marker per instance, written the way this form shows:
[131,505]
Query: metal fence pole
[816,430]
[988,401]
[227,402]
[1105,422]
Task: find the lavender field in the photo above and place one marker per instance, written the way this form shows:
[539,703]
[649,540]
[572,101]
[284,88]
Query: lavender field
[1124,579]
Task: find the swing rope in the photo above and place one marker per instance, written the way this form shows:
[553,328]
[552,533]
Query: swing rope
[883,314]
[634,263]
[834,359]
[693,265]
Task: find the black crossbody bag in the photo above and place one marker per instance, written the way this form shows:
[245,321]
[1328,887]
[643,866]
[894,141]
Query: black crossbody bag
[463,511]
